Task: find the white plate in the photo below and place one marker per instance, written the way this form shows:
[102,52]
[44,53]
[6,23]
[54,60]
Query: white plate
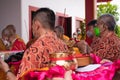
[90,67]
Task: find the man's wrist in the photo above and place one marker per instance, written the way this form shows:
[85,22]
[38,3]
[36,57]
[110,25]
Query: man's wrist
[8,71]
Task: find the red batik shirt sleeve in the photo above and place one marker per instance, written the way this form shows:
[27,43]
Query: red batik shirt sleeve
[32,58]
[18,45]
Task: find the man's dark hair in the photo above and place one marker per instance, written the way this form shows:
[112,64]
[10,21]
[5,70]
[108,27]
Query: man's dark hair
[92,23]
[11,27]
[9,30]
[59,30]
[108,20]
[46,16]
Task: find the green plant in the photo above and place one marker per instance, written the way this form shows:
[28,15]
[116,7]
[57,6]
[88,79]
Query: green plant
[83,30]
[117,30]
[108,8]
[111,9]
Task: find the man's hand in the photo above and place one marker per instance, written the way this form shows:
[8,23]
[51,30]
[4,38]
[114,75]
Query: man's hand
[67,75]
[104,61]
[57,79]
[4,65]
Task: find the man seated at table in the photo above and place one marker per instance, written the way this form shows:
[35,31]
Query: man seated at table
[37,55]
[59,30]
[16,43]
[107,45]
[60,33]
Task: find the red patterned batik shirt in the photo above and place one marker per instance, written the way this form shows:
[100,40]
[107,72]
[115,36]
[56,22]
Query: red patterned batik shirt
[107,47]
[37,55]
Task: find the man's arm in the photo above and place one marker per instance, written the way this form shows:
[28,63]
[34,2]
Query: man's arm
[5,67]
[10,76]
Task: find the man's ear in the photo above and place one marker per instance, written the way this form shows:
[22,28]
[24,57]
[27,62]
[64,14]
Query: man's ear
[38,24]
[104,26]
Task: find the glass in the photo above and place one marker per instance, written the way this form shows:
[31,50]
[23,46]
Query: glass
[2,56]
[64,59]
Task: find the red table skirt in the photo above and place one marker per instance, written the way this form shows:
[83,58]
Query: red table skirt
[104,72]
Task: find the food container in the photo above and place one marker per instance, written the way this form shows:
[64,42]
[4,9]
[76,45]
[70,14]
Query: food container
[64,59]
[83,60]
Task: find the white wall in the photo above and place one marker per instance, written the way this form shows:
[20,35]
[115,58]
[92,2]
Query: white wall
[10,11]
[117,2]
[74,8]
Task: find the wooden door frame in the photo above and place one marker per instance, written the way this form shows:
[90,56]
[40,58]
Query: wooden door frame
[31,8]
[59,14]
[79,19]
